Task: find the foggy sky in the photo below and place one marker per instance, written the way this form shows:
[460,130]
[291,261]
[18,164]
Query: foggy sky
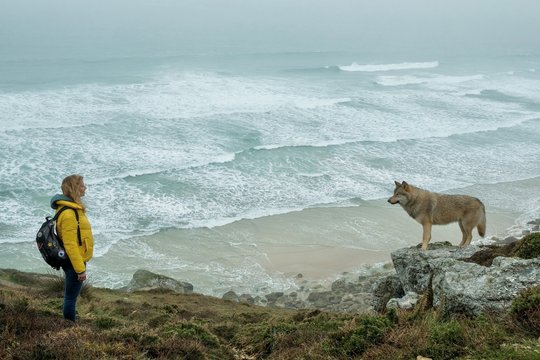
[177,26]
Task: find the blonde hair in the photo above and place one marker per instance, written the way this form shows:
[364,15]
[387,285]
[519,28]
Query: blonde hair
[71,186]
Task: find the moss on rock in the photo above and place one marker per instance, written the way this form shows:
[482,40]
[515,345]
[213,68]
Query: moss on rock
[528,247]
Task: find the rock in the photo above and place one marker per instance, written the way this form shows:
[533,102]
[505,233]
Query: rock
[230,296]
[346,286]
[510,239]
[259,300]
[487,254]
[468,288]
[273,297]
[413,265]
[385,289]
[455,284]
[323,299]
[144,280]
[246,299]
[406,302]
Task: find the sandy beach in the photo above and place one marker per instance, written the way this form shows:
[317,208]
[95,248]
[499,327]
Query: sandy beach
[318,261]
[267,254]
[321,243]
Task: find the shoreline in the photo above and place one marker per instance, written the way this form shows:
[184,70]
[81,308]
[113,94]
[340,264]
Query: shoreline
[267,254]
[319,262]
[270,253]
[346,291]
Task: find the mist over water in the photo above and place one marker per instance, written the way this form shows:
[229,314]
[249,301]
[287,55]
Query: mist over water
[194,123]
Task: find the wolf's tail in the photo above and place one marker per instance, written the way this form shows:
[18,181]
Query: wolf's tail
[482,224]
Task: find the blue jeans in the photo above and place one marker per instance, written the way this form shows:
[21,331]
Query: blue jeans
[72,288]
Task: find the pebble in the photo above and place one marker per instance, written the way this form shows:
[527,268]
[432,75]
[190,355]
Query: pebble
[349,293]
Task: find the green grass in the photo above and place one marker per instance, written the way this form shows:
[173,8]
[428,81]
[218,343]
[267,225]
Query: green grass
[116,325]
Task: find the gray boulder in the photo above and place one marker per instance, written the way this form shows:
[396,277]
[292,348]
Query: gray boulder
[230,296]
[144,280]
[323,299]
[246,299]
[462,287]
[414,266]
[406,302]
[385,289]
[456,286]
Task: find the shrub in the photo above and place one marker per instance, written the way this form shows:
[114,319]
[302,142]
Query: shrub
[105,322]
[53,284]
[446,340]
[21,305]
[529,247]
[260,340]
[526,310]
[194,332]
[354,342]
[392,316]
[170,348]
[158,320]
[87,291]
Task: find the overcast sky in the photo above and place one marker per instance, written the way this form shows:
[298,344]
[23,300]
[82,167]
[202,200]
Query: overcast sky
[264,25]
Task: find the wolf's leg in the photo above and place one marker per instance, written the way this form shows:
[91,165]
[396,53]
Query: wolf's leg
[463,232]
[426,236]
[467,233]
[469,237]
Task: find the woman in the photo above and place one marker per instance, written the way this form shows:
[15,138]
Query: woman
[74,229]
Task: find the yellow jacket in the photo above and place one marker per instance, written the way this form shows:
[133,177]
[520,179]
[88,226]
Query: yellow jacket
[66,226]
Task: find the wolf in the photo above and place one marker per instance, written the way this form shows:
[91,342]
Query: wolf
[430,208]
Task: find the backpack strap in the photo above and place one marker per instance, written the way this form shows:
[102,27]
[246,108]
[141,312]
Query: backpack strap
[76,216]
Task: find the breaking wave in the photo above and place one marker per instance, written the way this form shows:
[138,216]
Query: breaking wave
[389,67]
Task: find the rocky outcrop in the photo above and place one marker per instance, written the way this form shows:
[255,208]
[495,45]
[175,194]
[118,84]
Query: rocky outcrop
[144,280]
[466,280]
[350,293]
[453,283]
[413,266]
[384,289]
[462,287]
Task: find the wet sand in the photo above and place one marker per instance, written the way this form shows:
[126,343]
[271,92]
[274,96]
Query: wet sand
[324,242]
[319,262]
[266,254]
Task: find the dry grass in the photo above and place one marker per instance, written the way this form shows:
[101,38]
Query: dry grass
[116,325]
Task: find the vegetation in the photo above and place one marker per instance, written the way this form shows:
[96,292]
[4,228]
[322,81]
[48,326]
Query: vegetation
[526,248]
[526,310]
[162,325]
[529,246]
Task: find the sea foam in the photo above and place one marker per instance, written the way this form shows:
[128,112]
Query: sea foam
[437,80]
[389,67]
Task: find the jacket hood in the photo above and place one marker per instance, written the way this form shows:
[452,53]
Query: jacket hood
[60,197]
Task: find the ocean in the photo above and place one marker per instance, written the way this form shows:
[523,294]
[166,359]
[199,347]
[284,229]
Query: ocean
[200,164]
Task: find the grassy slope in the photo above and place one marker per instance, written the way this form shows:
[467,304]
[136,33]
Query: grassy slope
[150,325]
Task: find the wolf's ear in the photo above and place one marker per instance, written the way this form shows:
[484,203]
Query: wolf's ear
[405,186]
[397,183]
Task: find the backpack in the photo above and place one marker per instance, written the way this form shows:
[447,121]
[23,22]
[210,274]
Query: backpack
[49,243]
